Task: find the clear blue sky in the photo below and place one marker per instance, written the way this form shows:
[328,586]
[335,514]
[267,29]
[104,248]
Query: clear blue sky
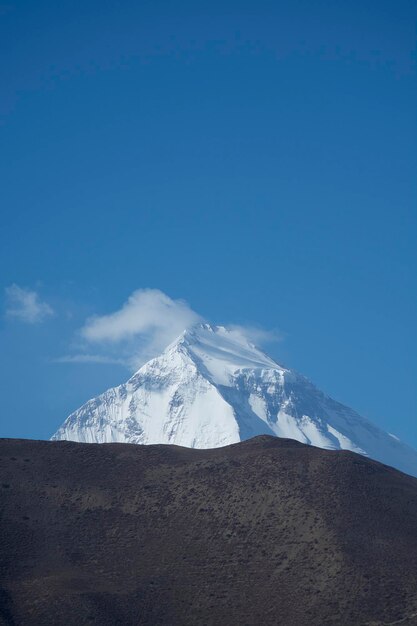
[257,159]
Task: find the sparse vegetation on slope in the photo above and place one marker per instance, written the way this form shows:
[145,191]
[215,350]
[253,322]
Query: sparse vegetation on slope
[268,531]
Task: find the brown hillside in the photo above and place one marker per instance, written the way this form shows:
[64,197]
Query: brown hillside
[264,532]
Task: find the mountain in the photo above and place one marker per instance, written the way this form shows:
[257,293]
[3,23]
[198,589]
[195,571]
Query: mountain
[210,388]
[267,531]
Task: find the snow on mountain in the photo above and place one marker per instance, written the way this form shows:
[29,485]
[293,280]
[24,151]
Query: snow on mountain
[211,388]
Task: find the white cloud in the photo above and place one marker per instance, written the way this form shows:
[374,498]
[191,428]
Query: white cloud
[146,311]
[89,358]
[142,327]
[256,335]
[26,305]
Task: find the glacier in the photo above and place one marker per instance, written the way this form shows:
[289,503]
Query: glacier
[211,387]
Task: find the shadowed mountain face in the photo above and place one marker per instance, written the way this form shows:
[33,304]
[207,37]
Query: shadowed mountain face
[267,531]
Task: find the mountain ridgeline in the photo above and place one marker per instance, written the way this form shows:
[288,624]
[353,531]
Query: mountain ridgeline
[212,388]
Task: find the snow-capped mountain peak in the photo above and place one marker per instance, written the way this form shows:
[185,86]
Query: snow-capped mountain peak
[220,352]
[212,387]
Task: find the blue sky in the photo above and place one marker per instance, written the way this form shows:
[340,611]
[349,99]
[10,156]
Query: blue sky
[254,159]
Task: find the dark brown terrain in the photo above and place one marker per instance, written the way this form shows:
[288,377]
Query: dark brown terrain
[268,531]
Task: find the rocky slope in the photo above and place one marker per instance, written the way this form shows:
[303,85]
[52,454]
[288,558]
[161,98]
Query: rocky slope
[267,531]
